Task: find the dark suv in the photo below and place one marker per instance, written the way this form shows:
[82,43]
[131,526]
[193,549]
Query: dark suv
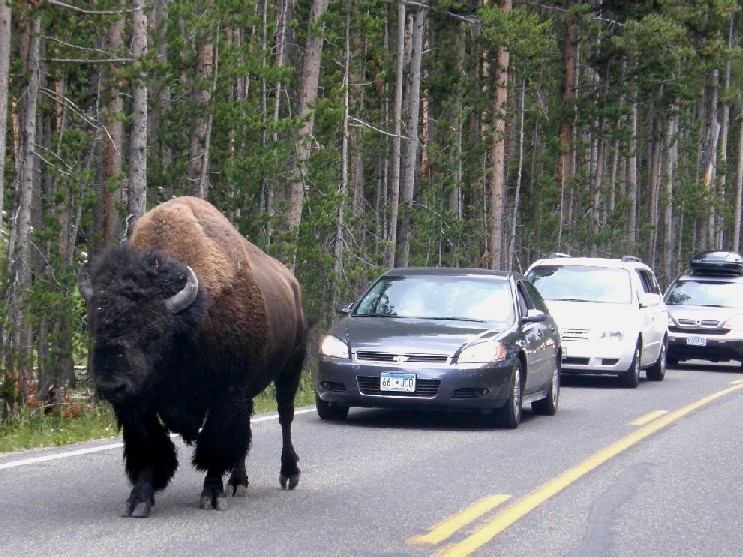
[705,307]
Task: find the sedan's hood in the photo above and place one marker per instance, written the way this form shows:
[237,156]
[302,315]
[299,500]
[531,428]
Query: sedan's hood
[703,313]
[409,336]
[589,315]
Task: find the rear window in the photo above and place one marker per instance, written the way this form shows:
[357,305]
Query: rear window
[700,292]
[578,283]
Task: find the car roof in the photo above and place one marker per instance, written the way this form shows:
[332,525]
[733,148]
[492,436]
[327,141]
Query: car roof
[606,262]
[451,272]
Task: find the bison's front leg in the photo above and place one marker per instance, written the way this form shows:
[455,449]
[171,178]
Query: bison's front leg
[222,446]
[150,462]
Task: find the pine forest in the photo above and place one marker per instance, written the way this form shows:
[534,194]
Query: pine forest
[345,137]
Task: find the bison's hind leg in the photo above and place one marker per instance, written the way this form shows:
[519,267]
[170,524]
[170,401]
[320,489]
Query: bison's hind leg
[287,384]
[238,481]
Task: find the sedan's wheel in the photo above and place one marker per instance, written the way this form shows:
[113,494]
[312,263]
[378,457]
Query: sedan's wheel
[631,377]
[657,371]
[328,411]
[548,405]
[509,415]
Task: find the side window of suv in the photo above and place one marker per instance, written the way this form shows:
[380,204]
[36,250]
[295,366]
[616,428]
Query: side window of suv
[648,282]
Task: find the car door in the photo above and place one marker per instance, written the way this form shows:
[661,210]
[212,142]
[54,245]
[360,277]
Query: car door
[541,353]
[653,316]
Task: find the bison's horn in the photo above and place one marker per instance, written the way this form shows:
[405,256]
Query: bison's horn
[180,301]
[83,283]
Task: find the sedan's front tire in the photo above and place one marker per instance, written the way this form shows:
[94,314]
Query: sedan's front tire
[328,411]
[509,416]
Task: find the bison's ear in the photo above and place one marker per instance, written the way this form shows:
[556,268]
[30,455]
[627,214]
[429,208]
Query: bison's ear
[83,282]
[180,301]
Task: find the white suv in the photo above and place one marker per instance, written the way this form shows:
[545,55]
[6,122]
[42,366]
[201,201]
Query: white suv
[610,313]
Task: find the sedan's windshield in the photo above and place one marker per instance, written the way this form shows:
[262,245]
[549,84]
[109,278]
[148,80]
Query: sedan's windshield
[705,293]
[582,283]
[438,297]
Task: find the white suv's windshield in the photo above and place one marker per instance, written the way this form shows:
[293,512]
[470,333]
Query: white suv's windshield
[709,293]
[578,283]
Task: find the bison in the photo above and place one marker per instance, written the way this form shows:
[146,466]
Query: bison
[189,322]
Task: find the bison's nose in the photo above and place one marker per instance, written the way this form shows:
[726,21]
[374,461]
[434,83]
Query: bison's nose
[113,390]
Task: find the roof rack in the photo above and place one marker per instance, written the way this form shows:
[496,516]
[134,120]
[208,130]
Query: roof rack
[557,255]
[631,259]
[717,263]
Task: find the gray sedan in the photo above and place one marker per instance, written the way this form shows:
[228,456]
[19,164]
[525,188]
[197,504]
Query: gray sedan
[443,338]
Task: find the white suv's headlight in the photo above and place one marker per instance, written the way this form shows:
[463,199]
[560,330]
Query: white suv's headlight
[333,347]
[483,353]
[608,335]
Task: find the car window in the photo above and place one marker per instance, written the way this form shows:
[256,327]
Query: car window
[582,283]
[438,297]
[648,282]
[705,293]
[533,299]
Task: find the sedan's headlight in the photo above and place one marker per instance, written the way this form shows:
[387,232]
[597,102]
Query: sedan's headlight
[608,335]
[333,347]
[483,353]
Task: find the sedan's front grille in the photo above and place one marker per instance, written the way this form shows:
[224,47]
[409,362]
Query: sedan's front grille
[573,334]
[389,357]
[424,388]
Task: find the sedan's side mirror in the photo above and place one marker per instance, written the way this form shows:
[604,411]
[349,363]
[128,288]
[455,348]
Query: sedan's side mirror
[345,309]
[535,316]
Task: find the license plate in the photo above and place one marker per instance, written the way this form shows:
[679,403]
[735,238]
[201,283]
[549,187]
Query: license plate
[696,341]
[397,382]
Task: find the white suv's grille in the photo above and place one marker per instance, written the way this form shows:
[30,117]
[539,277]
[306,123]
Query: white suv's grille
[573,334]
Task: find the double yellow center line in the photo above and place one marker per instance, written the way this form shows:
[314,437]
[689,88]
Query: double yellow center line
[520,508]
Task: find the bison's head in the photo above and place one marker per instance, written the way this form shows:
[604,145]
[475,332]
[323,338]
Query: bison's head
[140,303]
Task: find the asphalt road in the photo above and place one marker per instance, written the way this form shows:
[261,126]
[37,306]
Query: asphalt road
[617,472]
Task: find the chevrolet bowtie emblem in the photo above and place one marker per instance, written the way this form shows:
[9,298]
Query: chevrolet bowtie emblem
[400,359]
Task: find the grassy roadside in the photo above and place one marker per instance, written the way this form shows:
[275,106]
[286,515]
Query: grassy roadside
[32,429]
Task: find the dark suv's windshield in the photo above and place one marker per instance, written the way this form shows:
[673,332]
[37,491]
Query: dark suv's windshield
[700,292]
[582,283]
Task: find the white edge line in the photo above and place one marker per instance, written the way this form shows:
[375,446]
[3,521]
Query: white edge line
[110,446]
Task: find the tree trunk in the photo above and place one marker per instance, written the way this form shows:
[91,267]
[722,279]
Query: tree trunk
[137,196]
[739,186]
[5,31]
[307,97]
[394,180]
[632,179]
[107,219]
[19,252]
[570,69]
[206,72]
[670,233]
[410,162]
[517,195]
[498,178]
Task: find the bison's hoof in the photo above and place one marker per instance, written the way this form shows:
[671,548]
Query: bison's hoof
[137,510]
[240,491]
[289,482]
[214,501]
